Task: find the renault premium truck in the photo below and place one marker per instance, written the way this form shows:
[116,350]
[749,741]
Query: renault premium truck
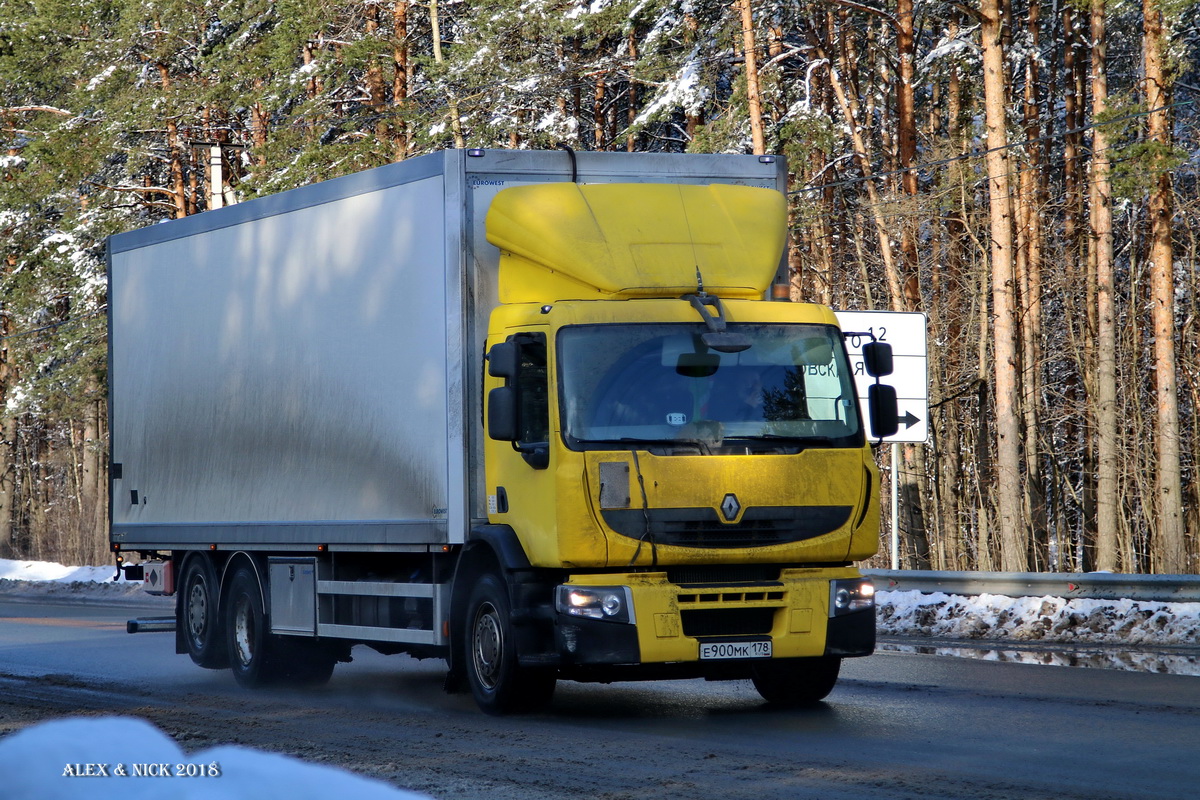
[528,412]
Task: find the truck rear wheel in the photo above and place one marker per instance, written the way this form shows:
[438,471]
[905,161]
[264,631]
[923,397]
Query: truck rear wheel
[795,682]
[259,657]
[199,616]
[498,682]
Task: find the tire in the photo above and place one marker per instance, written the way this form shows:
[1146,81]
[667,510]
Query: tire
[259,658]
[795,682]
[498,683]
[199,614]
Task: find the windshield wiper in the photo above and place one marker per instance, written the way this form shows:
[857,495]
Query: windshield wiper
[803,442]
[703,448]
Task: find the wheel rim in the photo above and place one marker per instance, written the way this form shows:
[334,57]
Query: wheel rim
[197,609]
[243,632]
[487,646]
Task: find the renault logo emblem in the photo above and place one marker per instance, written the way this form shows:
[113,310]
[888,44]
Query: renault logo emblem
[730,507]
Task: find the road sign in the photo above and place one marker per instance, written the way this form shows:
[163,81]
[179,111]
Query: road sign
[905,332]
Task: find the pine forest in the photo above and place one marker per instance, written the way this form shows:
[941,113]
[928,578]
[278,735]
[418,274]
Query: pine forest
[1023,173]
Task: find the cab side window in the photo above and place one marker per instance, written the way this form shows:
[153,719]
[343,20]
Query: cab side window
[534,390]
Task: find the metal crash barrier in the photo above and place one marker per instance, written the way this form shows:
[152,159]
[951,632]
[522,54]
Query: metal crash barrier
[1091,585]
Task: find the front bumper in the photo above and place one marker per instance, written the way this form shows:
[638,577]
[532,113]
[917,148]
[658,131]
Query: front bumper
[672,621]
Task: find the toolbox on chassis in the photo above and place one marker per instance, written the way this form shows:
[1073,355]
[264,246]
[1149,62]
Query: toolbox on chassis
[528,412]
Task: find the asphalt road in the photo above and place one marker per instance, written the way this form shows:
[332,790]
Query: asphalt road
[897,725]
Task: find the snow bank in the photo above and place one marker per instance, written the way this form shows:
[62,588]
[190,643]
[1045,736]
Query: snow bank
[46,571]
[43,579]
[130,759]
[1051,619]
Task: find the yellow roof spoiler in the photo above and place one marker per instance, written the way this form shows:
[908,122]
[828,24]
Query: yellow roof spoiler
[566,241]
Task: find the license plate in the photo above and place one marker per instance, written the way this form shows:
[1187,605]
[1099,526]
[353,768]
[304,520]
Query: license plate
[712,651]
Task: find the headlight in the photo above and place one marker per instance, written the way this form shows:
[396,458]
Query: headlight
[609,603]
[846,597]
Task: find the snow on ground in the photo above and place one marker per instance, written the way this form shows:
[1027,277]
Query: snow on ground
[46,571]
[1128,635]
[123,758]
[47,580]
[127,758]
[1034,619]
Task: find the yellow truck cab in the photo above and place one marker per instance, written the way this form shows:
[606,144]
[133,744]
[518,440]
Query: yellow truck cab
[687,456]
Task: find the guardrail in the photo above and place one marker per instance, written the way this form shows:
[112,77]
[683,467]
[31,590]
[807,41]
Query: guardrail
[1092,585]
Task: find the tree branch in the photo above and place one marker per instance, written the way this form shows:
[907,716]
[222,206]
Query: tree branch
[891,20]
[28,109]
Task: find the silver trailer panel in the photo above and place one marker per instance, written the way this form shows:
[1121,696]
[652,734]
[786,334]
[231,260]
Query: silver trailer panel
[304,368]
[290,370]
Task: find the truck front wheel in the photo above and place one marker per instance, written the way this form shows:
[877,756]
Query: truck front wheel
[498,682]
[794,682]
[198,614]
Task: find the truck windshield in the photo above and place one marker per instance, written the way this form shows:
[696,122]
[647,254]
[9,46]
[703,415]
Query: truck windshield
[662,384]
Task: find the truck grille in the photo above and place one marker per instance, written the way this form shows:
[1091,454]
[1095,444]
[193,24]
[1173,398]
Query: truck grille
[702,527]
[759,527]
[727,621]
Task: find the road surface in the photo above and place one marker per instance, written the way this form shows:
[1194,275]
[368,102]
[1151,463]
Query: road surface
[897,726]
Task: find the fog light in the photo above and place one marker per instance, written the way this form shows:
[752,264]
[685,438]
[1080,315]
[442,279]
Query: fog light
[841,600]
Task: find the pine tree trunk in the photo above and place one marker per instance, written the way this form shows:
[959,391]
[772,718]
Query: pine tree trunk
[1013,557]
[754,99]
[631,116]
[92,479]
[178,187]
[598,136]
[258,134]
[1031,203]
[1169,550]
[8,434]
[1105,381]
[377,92]
[399,128]
[906,151]
[1072,101]
[436,35]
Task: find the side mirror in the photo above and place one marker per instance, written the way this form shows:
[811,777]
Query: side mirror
[503,425]
[504,360]
[883,409]
[877,359]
